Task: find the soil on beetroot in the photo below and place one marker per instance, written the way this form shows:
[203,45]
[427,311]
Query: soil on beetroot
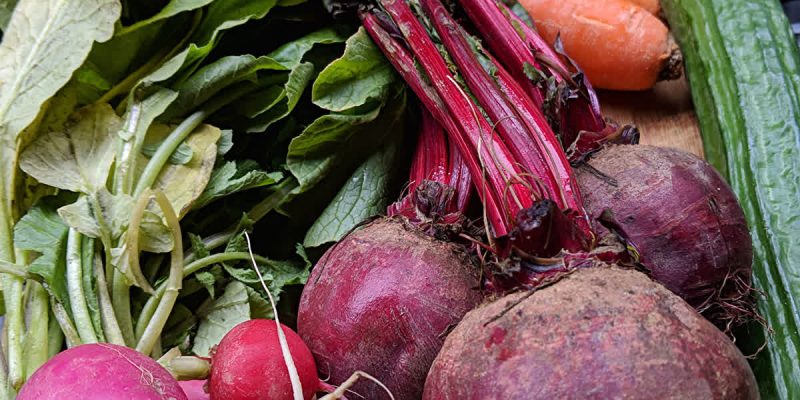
[599,333]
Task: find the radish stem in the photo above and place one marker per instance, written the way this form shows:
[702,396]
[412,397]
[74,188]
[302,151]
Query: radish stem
[174,282]
[77,300]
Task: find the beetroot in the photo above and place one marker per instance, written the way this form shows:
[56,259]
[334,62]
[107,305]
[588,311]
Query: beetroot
[681,218]
[599,333]
[381,301]
[101,371]
[248,364]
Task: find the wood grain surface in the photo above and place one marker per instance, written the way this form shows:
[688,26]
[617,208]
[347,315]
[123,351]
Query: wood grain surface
[665,115]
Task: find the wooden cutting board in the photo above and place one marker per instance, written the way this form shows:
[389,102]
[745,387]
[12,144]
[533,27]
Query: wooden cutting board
[665,115]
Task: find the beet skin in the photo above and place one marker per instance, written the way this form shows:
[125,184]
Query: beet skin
[682,219]
[599,333]
[381,301]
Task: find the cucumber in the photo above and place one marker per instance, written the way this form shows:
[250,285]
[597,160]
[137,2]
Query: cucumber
[743,66]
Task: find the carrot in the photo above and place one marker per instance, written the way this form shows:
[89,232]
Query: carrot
[618,45]
[652,6]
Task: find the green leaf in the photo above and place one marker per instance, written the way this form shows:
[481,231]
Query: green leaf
[291,54]
[232,177]
[259,306]
[214,77]
[172,8]
[178,328]
[183,184]
[154,236]
[225,143]
[80,216]
[182,155]
[361,75]
[224,15]
[208,278]
[6,9]
[277,274]
[141,114]
[298,80]
[220,15]
[42,230]
[335,139]
[198,247]
[45,41]
[79,157]
[364,195]
[229,310]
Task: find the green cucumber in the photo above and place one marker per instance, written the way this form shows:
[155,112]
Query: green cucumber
[743,66]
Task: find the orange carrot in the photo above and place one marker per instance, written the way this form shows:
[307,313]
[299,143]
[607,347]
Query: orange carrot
[652,6]
[618,45]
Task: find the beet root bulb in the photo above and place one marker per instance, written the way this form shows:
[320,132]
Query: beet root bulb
[682,220]
[381,301]
[599,333]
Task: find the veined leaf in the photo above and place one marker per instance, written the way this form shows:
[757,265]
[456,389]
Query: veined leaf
[77,158]
[183,184]
[174,7]
[298,80]
[364,195]
[227,311]
[361,75]
[292,53]
[45,42]
[232,177]
[221,15]
[115,209]
[42,230]
[6,9]
[214,77]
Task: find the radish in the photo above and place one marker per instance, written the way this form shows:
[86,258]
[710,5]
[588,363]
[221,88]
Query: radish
[680,219]
[248,364]
[256,360]
[103,372]
[599,333]
[194,390]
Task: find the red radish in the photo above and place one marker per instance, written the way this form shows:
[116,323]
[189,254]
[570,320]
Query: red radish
[382,301]
[680,218]
[103,372]
[248,364]
[599,333]
[195,390]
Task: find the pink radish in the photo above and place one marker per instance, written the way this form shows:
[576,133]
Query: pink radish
[101,372]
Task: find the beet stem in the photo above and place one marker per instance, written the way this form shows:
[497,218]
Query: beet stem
[469,142]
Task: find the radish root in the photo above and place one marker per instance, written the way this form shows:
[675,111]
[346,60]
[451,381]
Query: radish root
[340,391]
[297,387]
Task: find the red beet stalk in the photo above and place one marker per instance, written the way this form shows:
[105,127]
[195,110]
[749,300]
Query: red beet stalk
[575,110]
[440,184]
[486,156]
[519,122]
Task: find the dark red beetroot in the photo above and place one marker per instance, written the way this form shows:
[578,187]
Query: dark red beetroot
[681,218]
[248,364]
[381,301]
[103,372]
[599,333]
